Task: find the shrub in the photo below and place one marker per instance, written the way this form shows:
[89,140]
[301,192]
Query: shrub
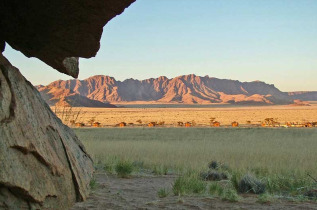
[216,189]
[250,184]
[124,169]
[230,195]
[188,184]
[162,193]
[213,165]
[213,176]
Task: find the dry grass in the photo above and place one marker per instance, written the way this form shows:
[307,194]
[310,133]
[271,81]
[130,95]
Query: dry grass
[201,116]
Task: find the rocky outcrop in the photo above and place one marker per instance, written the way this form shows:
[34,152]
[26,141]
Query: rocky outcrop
[183,89]
[57,31]
[43,165]
[42,162]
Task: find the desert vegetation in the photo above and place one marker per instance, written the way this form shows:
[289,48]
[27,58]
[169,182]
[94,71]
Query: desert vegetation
[207,151]
[270,163]
[271,117]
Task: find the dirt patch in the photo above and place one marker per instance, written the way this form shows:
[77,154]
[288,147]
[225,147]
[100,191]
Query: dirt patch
[141,193]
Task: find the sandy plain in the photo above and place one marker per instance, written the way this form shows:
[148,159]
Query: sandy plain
[171,114]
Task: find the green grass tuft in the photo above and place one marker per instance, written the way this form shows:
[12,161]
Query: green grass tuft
[230,195]
[162,193]
[124,169]
[160,170]
[215,189]
[93,184]
[189,184]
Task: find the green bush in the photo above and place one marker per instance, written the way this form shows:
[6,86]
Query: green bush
[250,184]
[216,190]
[188,184]
[213,165]
[212,175]
[230,195]
[124,168]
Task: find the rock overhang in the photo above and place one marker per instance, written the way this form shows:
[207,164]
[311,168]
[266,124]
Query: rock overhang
[57,32]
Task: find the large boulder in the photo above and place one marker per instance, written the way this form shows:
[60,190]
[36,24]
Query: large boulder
[42,162]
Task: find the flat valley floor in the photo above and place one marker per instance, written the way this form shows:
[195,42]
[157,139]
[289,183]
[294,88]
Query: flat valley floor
[201,114]
[271,153]
[162,154]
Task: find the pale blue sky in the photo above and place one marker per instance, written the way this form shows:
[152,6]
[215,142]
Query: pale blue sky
[270,40]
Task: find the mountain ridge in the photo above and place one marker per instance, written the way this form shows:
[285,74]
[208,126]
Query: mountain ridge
[187,89]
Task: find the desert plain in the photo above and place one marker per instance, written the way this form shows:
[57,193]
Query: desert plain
[171,114]
[166,166]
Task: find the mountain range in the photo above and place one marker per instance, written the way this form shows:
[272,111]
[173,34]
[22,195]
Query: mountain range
[101,91]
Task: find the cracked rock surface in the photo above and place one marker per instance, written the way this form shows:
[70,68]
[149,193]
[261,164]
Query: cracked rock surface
[42,163]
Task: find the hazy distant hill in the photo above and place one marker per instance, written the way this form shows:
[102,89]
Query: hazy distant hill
[304,95]
[183,89]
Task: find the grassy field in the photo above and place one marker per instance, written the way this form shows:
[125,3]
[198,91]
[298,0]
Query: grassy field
[280,151]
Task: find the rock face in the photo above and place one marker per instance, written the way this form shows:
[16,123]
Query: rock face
[57,31]
[183,89]
[42,163]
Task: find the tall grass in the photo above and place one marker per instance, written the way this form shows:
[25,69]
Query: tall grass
[189,184]
[260,150]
